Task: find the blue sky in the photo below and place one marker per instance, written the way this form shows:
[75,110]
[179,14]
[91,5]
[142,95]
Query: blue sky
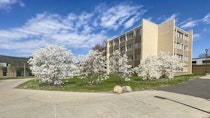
[26,25]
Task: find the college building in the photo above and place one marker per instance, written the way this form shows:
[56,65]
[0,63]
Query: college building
[151,39]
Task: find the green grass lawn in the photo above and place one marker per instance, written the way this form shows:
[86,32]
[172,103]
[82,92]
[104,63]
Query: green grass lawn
[81,85]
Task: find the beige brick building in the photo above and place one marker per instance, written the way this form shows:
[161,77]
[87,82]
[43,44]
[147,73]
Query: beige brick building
[7,71]
[151,39]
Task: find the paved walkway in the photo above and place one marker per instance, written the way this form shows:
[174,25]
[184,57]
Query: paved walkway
[19,103]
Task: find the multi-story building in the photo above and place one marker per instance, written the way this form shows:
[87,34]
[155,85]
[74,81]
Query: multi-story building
[151,39]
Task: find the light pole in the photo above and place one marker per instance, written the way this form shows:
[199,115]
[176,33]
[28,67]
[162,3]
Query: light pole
[206,60]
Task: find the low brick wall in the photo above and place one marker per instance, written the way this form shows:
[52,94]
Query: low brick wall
[200,68]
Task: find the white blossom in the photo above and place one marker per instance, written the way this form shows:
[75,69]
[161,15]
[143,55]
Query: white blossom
[159,66]
[94,64]
[51,63]
[169,65]
[119,66]
[149,68]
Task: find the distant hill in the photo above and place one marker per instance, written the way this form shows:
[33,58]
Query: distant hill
[13,60]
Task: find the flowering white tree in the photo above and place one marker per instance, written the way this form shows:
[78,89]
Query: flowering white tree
[81,65]
[118,65]
[149,68]
[159,66]
[51,63]
[72,69]
[94,64]
[169,65]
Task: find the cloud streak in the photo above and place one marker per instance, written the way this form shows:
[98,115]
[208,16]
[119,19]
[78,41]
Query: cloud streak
[189,23]
[164,18]
[206,19]
[114,17]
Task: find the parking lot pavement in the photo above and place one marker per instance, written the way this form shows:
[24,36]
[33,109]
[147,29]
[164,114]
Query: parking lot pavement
[19,103]
[198,88]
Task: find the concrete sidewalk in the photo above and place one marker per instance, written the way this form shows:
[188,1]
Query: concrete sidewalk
[19,103]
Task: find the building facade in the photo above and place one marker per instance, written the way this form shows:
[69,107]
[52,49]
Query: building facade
[7,71]
[151,39]
[201,61]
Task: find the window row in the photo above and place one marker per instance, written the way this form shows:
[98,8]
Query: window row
[181,35]
[130,47]
[123,38]
[181,46]
[133,57]
[181,57]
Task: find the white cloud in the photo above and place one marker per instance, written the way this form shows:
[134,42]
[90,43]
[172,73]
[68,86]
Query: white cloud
[6,4]
[206,19]
[50,29]
[114,17]
[149,18]
[165,19]
[196,36]
[189,24]
[173,16]
[74,30]
[129,23]
[22,4]
[207,29]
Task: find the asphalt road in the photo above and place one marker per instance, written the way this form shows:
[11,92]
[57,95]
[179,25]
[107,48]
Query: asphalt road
[198,88]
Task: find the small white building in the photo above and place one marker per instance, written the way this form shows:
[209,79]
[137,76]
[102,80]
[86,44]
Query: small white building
[200,61]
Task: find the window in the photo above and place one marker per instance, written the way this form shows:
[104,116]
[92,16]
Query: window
[178,69]
[122,39]
[4,70]
[138,32]
[130,47]
[206,61]
[122,49]
[130,57]
[111,51]
[111,43]
[180,56]
[130,36]
[185,36]
[194,62]
[116,41]
[136,45]
[180,35]
[186,48]
[179,46]
[185,58]
[137,57]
